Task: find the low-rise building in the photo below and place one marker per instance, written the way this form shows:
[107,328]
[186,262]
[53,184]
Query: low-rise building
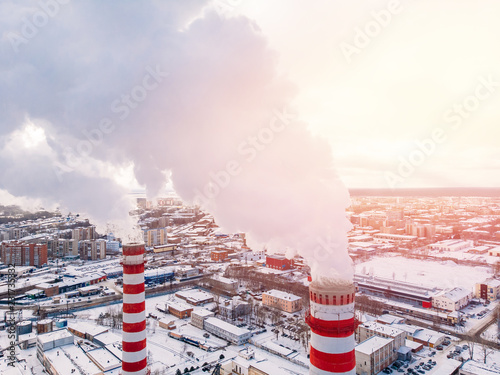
[179,310]
[86,330]
[451,245]
[198,317]
[374,354]
[452,300]
[227,331]
[278,262]
[494,252]
[372,328]
[223,283]
[195,296]
[423,336]
[219,255]
[281,300]
[488,290]
[52,340]
[234,308]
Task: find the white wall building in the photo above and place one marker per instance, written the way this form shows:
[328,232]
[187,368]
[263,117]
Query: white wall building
[452,300]
[451,245]
[227,331]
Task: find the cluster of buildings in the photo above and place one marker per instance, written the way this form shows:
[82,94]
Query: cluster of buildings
[466,229]
[183,244]
[35,242]
[381,343]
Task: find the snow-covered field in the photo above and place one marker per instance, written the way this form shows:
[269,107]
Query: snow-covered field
[446,274]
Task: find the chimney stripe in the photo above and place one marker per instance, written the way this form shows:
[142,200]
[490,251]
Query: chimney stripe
[331,345]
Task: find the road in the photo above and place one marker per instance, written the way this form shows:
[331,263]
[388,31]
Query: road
[477,330]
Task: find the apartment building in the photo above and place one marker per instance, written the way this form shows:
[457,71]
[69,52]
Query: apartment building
[281,300]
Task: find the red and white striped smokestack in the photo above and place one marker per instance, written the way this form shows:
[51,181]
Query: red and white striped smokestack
[134,352]
[331,318]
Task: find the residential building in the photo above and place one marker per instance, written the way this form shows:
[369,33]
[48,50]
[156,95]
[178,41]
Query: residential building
[24,254]
[488,290]
[219,255]
[92,249]
[494,252]
[84,233]
[155,237]
[281,300]
[63,247]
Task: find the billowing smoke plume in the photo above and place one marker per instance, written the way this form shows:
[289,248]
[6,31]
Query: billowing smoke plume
[175,90]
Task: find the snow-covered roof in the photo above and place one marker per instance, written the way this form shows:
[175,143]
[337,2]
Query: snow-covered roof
[202,312]
[104,358]
[179,306]
[383,328]
[228,327]
[282,295]
[389,319]
[447,367]
[194,295]
[456,294]
[88,328]
[54,335]
[477,368]
[372,344]
[108,338]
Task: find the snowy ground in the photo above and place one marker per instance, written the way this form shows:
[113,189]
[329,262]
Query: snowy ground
[492,333]
[446,274]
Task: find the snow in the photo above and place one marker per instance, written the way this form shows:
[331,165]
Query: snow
[479,368]
[228,327]
[277,348]
[104,358]
[372,344]
[429,273]
[282,295]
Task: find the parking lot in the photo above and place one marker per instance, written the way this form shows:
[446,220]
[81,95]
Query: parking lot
[429,360]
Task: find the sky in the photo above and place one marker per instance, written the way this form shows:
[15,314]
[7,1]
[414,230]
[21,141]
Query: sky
[374,100]
[263,112]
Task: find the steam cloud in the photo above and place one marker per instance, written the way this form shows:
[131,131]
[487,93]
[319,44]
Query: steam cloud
[179,92]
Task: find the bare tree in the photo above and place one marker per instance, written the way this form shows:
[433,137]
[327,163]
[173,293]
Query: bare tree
[486,350]
[471,343]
